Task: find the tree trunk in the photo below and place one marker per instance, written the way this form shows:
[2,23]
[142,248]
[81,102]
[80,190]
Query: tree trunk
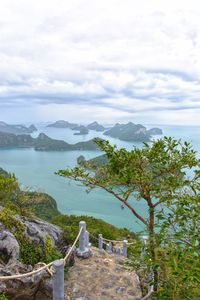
[152,244]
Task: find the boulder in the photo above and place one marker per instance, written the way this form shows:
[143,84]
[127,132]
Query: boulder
[37,286]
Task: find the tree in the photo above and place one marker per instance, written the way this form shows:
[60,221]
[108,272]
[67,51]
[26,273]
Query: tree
[9,188]
[161,173]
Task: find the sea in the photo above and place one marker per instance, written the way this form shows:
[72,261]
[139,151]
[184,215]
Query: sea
[35,170]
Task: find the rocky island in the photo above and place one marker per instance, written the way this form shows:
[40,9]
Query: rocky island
[96,126]
[155,131]
[62,124]
[42,143]
[132,132]
[17,129]
[82,130]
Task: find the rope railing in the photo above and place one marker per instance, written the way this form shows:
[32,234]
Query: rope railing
[147,297]
[72,247]
[44,267]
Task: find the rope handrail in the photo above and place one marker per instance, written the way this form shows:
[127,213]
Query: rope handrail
[112,241]
[72,247]
[44,267]
[148,295]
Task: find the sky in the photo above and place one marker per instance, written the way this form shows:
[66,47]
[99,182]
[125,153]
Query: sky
[105,60]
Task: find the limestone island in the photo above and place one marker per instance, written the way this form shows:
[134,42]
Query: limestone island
[63,124]
[96,126]
[17,129]
[132,132]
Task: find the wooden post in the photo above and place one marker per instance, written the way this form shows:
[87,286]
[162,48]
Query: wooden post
[100,242]
[58,280]
[124,249]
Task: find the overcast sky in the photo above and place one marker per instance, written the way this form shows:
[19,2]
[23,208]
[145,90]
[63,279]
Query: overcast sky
[104,60]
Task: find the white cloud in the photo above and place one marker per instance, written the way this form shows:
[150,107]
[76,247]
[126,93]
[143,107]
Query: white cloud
[132,59]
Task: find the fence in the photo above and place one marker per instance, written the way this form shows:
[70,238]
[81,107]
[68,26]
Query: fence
[56,268]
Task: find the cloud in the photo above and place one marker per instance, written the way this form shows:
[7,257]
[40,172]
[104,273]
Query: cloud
[134,60]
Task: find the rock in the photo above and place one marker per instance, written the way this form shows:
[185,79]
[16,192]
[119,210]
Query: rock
[8,245]
[37,286]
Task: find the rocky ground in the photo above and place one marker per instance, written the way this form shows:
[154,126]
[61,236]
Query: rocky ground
[101,277]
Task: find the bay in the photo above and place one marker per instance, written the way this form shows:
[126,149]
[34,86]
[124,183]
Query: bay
[35,170]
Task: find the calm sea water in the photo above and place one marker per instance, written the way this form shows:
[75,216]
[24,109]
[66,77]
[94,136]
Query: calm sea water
[35,170]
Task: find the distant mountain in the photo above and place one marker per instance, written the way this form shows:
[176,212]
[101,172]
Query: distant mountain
[63,124]
[95,126]
[17,129]
[129,132]
[42,143]
[155,131]
[82,130]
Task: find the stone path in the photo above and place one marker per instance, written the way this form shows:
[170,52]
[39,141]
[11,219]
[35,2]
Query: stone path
[101,277]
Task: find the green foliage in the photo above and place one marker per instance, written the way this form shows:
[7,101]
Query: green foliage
[165,174]
[9,187]
[50,253]
[40,204]
[70,224]
[3,296]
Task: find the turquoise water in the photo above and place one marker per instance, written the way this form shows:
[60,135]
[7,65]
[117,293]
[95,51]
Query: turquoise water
[36,169]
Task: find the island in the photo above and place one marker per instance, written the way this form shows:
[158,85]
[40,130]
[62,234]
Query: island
[42,143]
[155,131]
[17,129]
[82,130]
[132,132]
[63,124]
[97,161]
[95,126]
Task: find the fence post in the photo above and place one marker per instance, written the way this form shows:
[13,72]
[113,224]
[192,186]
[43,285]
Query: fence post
[118,251]
[87,239]
[124,249]
[109,247]
[144,241]
[100,242]
[83,250]
[58,280]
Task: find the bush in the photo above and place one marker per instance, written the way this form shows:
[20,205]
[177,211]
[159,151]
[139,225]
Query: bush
[70,224]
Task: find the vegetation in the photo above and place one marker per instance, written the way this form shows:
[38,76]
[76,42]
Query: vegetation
[9,187]
[3,296]
[166,175]
[70,225]
[40,204]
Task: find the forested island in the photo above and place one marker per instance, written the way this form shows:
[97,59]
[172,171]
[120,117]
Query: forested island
[42,143]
